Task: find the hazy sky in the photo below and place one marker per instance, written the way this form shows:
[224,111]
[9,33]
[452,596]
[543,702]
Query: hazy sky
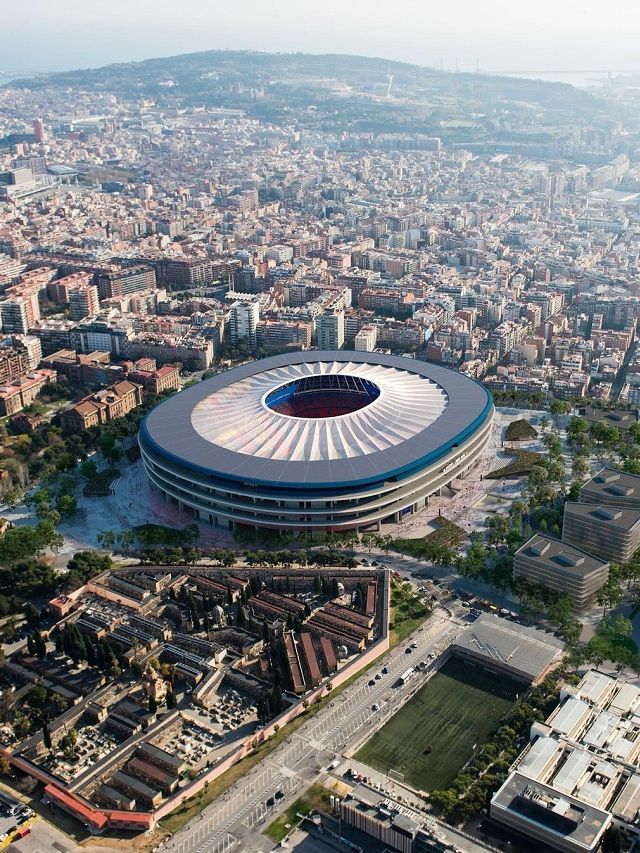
[502,35]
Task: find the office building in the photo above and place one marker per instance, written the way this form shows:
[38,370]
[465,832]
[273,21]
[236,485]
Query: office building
[611,487]
[620,419]
[561,567]
[609,532]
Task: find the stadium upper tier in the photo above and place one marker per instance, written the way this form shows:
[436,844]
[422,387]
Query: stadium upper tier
[324,440]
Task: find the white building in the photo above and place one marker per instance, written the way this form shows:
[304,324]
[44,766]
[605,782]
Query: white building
[243,320]
[366,338]
[330,329]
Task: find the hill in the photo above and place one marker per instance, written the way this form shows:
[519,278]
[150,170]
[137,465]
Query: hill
[341,92]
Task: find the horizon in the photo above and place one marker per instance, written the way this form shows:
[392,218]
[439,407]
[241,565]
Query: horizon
[542,42]
[579,77]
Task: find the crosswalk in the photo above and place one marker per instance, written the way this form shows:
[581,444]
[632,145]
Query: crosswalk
[288,772]
[223,845]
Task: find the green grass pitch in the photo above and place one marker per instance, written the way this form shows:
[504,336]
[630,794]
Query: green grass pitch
[433,735]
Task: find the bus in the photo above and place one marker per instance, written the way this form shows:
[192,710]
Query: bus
[406,675]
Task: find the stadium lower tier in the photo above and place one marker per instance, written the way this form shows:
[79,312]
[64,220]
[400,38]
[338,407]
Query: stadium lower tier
[231,504]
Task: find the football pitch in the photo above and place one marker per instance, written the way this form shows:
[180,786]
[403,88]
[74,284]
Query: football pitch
[433,735]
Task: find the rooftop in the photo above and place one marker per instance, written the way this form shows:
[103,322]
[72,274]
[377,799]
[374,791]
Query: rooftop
[421,412]
[560,556]
[528,650]
[611,486]
[560,816]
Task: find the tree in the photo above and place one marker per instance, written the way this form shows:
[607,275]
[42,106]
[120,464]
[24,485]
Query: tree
[19,543]
[108,446]
[613,841]
[88,469]
[37,696]
[498,528]
[579,466]
[66,505]
[610,595]
[171,699]
[40,645]
[559,407]
[616,626]
[31,614]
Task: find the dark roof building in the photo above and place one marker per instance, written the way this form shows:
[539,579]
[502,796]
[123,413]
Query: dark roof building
[609,532]
[611,487]
[561,567]
[618,418]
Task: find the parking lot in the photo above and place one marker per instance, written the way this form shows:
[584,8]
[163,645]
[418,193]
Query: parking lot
[14,816]
[44,837]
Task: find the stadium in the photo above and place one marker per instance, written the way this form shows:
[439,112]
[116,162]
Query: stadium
[317,440]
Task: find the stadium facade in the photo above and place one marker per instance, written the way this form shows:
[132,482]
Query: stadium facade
[320,440]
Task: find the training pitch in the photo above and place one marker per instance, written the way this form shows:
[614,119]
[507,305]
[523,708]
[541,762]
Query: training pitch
[433,735]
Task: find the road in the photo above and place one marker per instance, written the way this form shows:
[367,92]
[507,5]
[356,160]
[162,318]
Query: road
[242,812]
[406,566]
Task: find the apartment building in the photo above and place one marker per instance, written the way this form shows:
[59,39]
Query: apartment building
[196,353]
[386,300]
[21,356]
[58,289]
[83,301]
[243,320]
[561,567]
[120,281]
[281,333]
[19,313]
[366,338]
[330,329]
